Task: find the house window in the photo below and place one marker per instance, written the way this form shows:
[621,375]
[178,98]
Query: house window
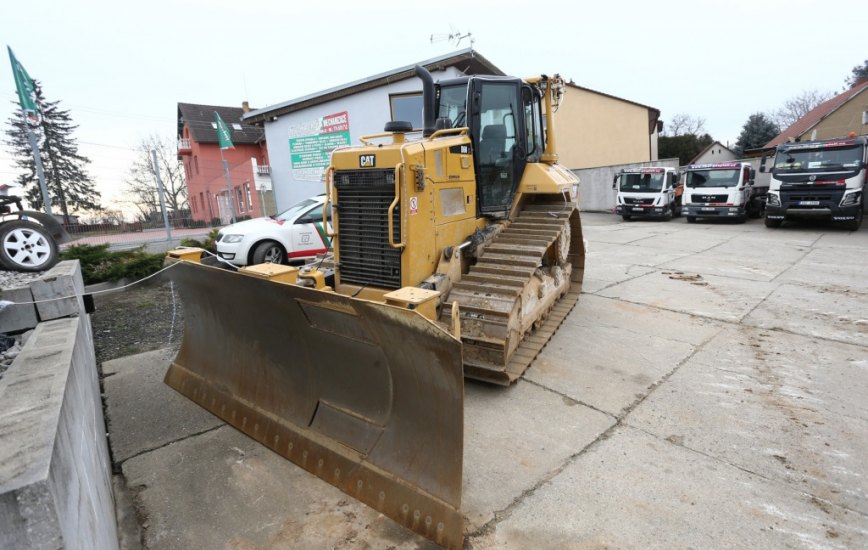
[196,163]
[407,107]
[249,197]
[240,196]
[236,126]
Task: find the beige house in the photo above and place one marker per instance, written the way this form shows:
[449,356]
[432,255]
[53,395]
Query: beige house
[833,118]
[597,129]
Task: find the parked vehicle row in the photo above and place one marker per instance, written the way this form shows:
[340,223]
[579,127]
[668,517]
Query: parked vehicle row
[822,179]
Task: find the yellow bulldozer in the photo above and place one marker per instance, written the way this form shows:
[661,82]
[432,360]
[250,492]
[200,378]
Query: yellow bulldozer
[456,254]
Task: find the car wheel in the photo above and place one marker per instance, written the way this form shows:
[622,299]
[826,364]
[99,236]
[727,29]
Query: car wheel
[26,246]
[690,219]
[626,217]
[268,252]
[773,223]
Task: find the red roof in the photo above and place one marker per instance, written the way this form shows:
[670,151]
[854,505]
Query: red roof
[818,113]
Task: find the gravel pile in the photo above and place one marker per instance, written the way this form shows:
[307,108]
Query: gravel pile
[15,279]
[10,347]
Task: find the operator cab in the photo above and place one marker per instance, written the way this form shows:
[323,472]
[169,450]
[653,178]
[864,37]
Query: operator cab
[506,128]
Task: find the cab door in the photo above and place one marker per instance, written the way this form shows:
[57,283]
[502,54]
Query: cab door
[497,124]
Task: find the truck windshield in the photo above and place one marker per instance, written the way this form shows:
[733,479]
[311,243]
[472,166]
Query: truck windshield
[819,159]
[452,105]
[712,178]
[641,183]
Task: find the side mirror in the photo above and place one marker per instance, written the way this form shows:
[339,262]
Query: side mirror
[763,164]
[752,175]
[614,182]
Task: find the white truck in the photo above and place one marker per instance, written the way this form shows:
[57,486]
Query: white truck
[647,192]
[819,179]
[722,190]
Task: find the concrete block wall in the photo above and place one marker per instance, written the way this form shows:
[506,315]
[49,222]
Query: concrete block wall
[595,190]
[55,473]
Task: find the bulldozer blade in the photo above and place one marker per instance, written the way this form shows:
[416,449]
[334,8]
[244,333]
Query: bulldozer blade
[366,396]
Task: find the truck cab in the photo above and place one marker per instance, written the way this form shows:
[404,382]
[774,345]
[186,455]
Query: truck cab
[651,192]
[819,179]
[722,190]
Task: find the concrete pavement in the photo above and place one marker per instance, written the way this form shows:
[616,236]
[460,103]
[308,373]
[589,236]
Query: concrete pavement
[707,391]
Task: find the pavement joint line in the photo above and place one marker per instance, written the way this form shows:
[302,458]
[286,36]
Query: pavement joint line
[738,323]
[158,447]
[573,399]
[774,481]
[792,333]
[810,248]
[506,512]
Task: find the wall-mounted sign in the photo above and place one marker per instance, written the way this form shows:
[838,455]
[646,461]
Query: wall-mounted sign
[311,144]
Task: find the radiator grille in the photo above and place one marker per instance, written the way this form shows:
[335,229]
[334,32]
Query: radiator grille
[363,198]
[708,198]
[632,200]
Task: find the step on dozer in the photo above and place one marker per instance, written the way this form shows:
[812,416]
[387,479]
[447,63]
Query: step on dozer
[366,396]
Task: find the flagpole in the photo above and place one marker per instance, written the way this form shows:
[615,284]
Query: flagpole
[228,185]
[27,99]
[40,171]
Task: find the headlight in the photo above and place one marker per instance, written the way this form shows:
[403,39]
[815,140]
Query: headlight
[774,199]
[852,199]
[232,238]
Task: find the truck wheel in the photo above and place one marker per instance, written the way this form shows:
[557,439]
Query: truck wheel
[756,211]
[268,252]
[626,217]
[773,223]
[690,219]
[26,246]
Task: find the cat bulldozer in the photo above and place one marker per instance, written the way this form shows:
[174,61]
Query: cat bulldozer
[455,254]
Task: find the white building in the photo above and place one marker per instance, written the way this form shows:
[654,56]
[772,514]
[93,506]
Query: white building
[301,133]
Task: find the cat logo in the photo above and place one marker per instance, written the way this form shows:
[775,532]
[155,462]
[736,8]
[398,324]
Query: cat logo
[367,161]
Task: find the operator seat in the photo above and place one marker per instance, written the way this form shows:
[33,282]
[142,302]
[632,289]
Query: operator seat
[491,144]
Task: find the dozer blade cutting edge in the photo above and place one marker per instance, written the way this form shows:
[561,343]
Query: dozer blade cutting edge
[365,396]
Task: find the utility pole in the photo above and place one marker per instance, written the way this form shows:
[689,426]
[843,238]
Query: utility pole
[160,192]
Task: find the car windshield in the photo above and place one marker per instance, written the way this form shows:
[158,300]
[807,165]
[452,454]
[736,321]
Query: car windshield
[290,213]
[826,158]
[642,182]
[713,178]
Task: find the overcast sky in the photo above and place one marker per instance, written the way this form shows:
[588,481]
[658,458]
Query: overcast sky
[122,67]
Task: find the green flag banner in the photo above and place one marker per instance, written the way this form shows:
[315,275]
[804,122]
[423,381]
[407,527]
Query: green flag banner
[223,135]
[24,84]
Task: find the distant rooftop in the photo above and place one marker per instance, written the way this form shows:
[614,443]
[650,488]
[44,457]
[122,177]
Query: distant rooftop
[818,113]
[200,119]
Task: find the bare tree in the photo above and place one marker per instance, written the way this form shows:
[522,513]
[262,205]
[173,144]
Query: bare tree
[797,107]
[684,124]
[141,186]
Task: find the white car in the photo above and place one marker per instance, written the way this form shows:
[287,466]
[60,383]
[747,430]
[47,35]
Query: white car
[294,235]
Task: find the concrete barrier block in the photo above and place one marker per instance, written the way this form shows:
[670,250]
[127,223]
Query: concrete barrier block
[18,317]
[55,484]
[58,293]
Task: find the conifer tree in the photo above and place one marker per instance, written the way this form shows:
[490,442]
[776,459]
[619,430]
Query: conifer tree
[69,185]
[756,132]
